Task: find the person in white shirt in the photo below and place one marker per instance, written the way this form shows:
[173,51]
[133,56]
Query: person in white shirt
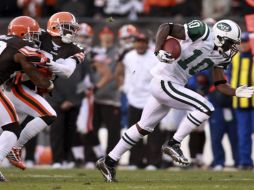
[136,66]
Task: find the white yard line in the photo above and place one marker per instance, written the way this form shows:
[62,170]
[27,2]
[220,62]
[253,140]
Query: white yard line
[47,176]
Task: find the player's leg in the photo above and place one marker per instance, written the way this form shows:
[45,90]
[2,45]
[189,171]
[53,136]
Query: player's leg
[217,126]
[36,106]
[200,109]
[28,102]
[153,112]
[243,118]
[10,128]
[233,138]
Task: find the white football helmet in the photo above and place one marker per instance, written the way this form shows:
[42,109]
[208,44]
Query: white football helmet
[126,35]
[84,35]
[227,37]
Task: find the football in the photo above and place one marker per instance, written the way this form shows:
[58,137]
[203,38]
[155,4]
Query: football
[173,47]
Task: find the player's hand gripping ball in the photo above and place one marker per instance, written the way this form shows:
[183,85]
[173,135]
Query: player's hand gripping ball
[172,46]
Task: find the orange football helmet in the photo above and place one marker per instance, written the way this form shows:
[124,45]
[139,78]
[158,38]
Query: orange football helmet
[63,24]
[84,35]
[25,27]
[85,30]
[127,31]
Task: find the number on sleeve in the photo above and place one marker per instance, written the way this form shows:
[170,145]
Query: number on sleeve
[196,29]
[194,24]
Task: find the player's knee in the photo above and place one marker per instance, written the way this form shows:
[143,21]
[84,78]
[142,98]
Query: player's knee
[209,112]
[210,109]
[49,119]
[13,127]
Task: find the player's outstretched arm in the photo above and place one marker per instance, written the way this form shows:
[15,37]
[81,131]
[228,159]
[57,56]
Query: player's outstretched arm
[222,85]
[36,77]
[168,29]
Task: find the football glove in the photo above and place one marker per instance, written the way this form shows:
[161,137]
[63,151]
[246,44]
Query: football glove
[62,67]
[244,91]
[164,57]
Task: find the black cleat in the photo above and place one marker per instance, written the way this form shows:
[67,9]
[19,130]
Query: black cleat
[108,173]
[175,152]
[2,178]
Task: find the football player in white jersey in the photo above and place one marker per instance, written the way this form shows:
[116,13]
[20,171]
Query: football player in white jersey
[201,48]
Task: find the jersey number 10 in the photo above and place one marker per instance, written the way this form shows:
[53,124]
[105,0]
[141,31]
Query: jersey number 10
[204,64]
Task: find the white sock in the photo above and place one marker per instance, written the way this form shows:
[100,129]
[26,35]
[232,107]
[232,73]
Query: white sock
[190,122]
[78,152]
[7,141]
[128,140]
[31,129]
[98,151]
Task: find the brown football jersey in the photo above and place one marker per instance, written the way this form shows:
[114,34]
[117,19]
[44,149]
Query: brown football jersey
[9,47]
[55,51]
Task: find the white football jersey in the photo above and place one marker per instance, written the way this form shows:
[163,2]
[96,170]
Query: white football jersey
[197,54]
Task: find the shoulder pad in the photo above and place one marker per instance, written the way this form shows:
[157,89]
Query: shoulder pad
[197,29]
[33,55]
[78,47]
[15,42]
[44,36]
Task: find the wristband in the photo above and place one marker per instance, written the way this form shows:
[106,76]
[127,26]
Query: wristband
[216,83]
[171,26]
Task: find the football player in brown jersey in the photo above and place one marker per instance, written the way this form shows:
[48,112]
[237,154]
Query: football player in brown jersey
[17,54]
[57,44]
[23,92]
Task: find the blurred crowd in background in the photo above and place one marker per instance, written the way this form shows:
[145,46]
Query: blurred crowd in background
[110,89]
[132,9]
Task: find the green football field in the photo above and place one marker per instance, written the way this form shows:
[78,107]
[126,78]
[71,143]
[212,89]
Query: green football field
[79,179]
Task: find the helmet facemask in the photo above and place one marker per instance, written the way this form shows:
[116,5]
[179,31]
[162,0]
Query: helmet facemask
[68,31]
[227,47]
[227,37]
[33,36]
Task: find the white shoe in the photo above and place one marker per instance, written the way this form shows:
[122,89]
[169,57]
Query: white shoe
[29,164]
[68,165]
[151,168]
[218,168]
[57,165]
[90,166]
[132,167]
